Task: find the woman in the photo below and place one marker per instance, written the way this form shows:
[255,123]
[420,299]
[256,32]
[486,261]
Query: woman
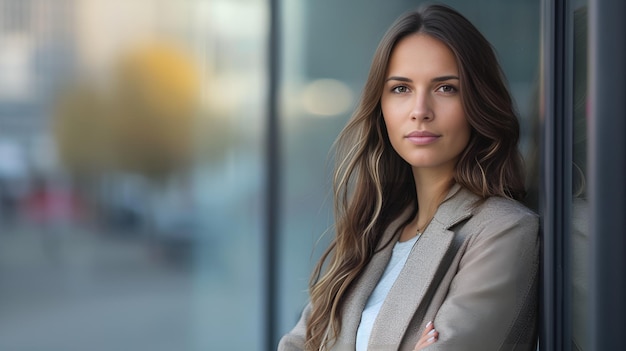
[432,248]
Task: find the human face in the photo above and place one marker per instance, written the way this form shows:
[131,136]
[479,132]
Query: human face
[421,104]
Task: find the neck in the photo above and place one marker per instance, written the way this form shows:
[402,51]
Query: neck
[431,188]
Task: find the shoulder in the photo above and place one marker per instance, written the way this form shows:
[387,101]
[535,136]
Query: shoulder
[497,216]
[461,204]
[498,207]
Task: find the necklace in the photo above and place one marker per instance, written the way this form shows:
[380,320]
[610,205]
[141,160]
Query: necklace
[421,230]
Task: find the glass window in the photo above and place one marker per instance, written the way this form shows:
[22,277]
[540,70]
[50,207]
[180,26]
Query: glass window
[132,165]
[131,174]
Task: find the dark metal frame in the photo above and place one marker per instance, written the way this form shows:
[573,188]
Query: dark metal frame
[555,191]
[607,161]
[606,168]
[273,155]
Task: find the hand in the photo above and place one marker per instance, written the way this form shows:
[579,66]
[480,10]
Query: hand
[429,336]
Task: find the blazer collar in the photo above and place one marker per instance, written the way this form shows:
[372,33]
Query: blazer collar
[458,205]
[415,278]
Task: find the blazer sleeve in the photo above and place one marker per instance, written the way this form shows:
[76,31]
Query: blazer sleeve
[294,340]
[492,300]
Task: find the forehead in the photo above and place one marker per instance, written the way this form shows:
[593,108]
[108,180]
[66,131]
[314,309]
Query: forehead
[421,53]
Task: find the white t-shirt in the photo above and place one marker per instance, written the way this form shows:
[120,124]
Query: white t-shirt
[399,255]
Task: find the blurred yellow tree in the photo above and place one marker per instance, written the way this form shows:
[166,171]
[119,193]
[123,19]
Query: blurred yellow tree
[142,122]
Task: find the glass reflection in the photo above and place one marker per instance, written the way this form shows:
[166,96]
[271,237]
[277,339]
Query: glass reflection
[130,174]
[580,223]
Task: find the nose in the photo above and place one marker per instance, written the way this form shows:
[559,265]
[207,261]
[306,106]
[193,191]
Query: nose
[421,109]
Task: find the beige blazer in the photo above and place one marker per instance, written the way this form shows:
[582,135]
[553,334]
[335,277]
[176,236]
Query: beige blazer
[473,272]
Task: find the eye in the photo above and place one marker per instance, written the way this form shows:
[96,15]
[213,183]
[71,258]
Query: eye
[400,89]
[447,88]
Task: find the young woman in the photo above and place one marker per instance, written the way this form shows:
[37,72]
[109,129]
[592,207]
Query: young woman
[432,249]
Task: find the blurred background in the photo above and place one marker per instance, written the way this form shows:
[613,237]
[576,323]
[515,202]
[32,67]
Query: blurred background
[134,160]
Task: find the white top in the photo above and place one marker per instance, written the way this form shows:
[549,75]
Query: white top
[399,255]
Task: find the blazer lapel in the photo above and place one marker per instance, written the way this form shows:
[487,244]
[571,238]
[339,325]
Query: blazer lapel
[419,271]
[357,298]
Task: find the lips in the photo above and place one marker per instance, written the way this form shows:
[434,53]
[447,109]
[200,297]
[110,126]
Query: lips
[422,137]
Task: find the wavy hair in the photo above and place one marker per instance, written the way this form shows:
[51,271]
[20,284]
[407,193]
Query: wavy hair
[373,185]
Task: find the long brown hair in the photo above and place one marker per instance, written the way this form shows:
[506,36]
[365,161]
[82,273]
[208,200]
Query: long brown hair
[372,184]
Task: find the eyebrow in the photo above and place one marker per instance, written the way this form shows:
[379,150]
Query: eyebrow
[435,80]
